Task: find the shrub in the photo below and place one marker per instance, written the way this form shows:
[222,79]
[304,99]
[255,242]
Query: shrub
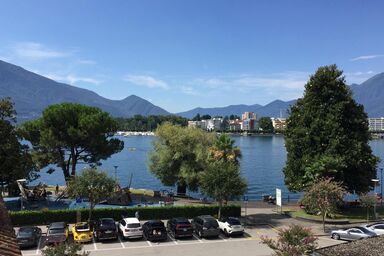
[45,217]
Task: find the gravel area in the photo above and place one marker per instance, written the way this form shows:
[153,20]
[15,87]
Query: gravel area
[367,247]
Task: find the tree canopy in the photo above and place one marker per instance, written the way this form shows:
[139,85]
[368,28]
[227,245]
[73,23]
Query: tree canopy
[327,136]
[265,124]
[92,184]
[15,159]
[324,196]
[69,133]
[179,155]
[149,123]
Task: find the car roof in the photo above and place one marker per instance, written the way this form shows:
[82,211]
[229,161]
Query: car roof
[373,224]
[57,225]
[206,217]
[106,219]
[131,220]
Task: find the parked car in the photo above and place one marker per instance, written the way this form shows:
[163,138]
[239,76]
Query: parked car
[105,229]
[82,232]
[231,226]
[130,228]
[353,233]
[378,228]
[28,237]
[154,230]
[206,226]
[180,227]
[57,233]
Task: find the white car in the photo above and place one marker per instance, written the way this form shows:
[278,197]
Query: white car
[378,228]
[130,228]
[231,226]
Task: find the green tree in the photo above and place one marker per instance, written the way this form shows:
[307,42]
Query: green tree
[92,184]
[206,117]
[179,155]
[197,117]
[222,180]
[324,196]
[71,249]
[328,128]
[223,148]
[368,201]
[15,159]
[70,133]
[292,241]
[265,124]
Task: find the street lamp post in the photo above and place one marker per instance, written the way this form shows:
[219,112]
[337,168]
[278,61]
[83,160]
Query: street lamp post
[381,185]
[374,192]
[115,172]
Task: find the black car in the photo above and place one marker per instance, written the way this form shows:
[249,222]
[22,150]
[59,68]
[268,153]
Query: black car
[105,229]
[154,230]
[28,236]
[57,233]
[206,226]
[180,227]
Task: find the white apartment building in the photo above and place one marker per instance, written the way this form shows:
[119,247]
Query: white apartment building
[376,124]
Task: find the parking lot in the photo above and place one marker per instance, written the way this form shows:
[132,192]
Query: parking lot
[192,246]
[121,246]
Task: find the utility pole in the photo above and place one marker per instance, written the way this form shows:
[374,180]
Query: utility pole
[374,206]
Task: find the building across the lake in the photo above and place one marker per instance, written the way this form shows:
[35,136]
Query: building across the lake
[376,124]
[279,124]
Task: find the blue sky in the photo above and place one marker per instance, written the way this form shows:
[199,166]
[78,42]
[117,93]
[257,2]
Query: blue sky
[185,54]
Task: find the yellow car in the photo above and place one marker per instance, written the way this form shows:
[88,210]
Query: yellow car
[82,232]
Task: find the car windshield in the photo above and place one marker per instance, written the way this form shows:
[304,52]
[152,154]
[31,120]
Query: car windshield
[233,221]
[107,224]
[55,231]
[364,230]
[211,223]
[82,227]
[25,232]
[134,225]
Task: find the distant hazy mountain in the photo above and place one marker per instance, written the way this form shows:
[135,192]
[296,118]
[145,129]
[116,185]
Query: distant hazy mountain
[31,93]
[371,94]
[273,109]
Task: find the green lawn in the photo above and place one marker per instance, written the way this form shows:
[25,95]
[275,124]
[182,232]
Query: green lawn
[352,214]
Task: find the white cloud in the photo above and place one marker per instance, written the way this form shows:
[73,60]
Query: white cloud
[188,90]
[146,81]
[36,51]
[87,62]
[72,79]
[367,57]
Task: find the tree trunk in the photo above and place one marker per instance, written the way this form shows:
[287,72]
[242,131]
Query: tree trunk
[90,212]
[323,215]
[74,162]
[367,214]
[220,206]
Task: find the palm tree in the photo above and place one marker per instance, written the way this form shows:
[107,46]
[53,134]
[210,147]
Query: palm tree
[224,148]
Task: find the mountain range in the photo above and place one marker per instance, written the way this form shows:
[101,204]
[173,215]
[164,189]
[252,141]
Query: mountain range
[31,93]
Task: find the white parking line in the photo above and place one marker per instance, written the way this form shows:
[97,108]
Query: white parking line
[149,243]
[197,238]
[223,238]
[121,242]
[94,244]
[170,237]
[38,246]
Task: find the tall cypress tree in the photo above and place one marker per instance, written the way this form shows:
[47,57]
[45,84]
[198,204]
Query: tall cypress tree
[327,136]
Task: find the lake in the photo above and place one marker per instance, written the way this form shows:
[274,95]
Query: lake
[262,163]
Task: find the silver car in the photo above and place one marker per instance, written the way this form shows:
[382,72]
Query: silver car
[378,228]
[353,233]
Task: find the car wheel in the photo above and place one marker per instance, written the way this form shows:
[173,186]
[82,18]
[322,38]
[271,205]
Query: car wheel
[226,233]
[199,234]
[336,236]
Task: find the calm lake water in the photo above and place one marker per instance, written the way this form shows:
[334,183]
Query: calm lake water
[262,163]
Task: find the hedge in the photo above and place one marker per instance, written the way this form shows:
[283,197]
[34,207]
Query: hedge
[166,212]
